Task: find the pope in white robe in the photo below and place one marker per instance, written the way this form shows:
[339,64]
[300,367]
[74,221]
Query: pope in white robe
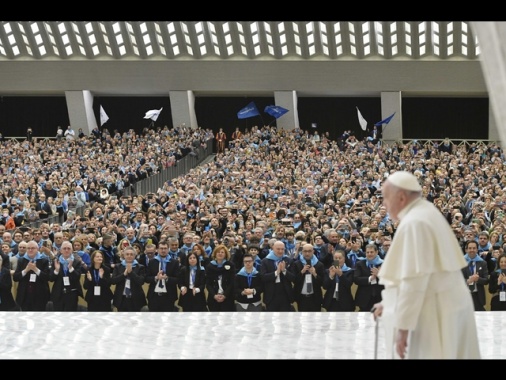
[426,311]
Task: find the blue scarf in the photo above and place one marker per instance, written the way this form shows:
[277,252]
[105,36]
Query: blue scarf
[374,262]
[214,262]
[38,256]
[163,261]
[271,256]
[317,250]
[477,258]
[258,263]
[64,261]
[314,260]
[173,254]
[134,263]
[243,272]
[201,262]
[355,254]
[345,268]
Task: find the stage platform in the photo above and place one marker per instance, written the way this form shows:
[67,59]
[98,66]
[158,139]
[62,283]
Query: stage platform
[183,335]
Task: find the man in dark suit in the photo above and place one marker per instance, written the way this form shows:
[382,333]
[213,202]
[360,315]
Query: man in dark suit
[128,278]
[476,275]
[162,275]
[32,274]
[366,278]
[66,278]
[43,208]
[309,273]
[278,279]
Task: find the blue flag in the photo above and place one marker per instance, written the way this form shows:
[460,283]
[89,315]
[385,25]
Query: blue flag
[249,111]
[385,121]
[275,111]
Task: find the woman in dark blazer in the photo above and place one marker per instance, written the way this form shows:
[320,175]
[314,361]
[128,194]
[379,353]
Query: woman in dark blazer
[128,276]
[97,284]
[220,280]
[192,283]
[337,283]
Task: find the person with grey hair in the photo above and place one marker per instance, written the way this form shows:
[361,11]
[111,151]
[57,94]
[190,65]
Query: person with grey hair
[426,308]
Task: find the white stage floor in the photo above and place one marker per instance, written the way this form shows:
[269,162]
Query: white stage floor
[263,335]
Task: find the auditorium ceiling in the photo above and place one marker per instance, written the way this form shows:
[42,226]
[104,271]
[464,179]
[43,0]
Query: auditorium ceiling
[234,40]
[240,58]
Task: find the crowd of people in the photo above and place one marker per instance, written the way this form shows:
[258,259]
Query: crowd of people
[280,220]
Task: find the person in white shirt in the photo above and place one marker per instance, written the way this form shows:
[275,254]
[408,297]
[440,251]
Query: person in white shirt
[69,133]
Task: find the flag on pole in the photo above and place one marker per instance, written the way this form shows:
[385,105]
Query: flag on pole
[361,120]
[103,116]
[275,111]
[385,121]
[153,114]
[249,111]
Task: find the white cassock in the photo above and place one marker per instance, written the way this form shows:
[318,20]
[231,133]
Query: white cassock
[425,291]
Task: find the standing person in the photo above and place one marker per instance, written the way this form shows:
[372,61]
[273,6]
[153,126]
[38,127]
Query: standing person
[475,274]
[69,133]
[278,279]
[32,274]
[66,279]
[337,283]
[426,307]
[366,277]
[97,283]
[309,273]
[59,133]
[128,276]
[497,285]
[192,283]
[220,280]
[162,275]
[29,134]
[7,302]
[248,286]
[221,139]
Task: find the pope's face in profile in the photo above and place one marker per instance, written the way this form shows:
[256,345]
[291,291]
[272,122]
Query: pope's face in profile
[391,200]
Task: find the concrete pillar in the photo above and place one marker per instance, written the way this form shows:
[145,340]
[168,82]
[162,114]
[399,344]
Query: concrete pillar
[391,102]
[80,107]
[288,100]
[493,132]
[491,37]
[182,105]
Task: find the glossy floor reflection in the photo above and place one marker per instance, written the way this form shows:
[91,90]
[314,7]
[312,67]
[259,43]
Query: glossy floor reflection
[264,335]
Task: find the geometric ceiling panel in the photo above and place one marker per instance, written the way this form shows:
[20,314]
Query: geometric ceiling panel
[237,40]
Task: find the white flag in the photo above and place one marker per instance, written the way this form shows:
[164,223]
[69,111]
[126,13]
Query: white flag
[103,116]
[153,114]
[361,120]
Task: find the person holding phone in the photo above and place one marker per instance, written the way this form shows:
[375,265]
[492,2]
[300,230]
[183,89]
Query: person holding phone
[307,286]
[337,283]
